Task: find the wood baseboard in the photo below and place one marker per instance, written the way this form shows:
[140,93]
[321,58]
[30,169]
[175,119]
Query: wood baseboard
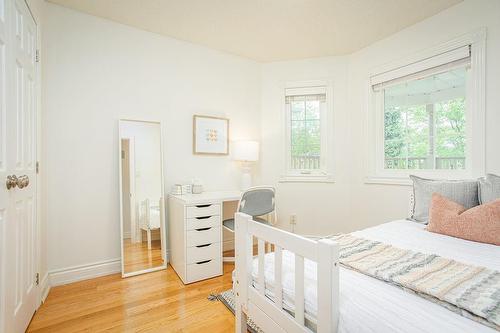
[45,287]
[84,272]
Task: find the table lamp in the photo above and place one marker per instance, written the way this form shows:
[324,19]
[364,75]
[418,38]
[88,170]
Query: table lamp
[246,151]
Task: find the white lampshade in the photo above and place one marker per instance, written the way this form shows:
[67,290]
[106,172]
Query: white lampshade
[247,151]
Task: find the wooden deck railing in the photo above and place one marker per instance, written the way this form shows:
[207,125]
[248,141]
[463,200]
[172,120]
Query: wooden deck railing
[446,163]
[305,162]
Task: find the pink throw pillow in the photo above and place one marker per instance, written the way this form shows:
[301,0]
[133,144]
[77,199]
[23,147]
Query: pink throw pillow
[480,223]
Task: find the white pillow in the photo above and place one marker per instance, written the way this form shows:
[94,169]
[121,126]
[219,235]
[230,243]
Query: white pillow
[464,192]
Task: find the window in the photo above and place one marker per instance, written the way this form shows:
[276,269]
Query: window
[425,122]
[307,133]
[427,114]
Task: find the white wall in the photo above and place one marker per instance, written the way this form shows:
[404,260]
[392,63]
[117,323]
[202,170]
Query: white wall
[380,203]
[349,203]
[319,206]
[97,71]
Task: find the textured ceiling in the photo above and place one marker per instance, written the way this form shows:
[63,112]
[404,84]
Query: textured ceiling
[268,30]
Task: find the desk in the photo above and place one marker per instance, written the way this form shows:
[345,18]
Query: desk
[195,233]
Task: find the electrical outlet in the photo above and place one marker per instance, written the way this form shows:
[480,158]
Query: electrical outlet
[293,219]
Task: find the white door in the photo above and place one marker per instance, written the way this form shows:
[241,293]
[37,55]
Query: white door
[127,232]
[134,220]
[17,158]
[4,199]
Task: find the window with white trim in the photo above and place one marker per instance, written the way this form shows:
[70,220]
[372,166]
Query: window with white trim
[428,115]
[307,133]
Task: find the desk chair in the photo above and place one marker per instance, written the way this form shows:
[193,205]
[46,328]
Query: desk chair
[257,201]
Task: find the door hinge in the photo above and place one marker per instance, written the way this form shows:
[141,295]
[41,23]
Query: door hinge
[37,166]
[37,56]
[37,279]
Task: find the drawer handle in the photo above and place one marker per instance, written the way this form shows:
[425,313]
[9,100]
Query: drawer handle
[203,217]
[203,229]
[203,206]
[203,262]
[204,245]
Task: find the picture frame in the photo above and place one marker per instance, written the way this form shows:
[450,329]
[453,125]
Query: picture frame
[210,135]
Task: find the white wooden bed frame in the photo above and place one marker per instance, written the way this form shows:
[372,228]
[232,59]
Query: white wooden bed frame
[251,301]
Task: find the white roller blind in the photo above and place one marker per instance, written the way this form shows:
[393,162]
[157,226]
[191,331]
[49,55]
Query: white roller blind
[455,58]
[320,90]
[308,98]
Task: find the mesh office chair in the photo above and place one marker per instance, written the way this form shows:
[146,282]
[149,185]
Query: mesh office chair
[256,201]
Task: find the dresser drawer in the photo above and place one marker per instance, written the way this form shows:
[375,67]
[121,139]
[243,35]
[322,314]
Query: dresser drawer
[203,236]
[203,252]
[203,222]
[203,270]
[203,210]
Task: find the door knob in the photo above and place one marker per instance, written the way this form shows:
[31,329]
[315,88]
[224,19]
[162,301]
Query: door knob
[11,182]
[23,181]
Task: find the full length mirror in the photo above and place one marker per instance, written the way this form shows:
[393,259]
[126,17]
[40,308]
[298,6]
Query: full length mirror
[142,199]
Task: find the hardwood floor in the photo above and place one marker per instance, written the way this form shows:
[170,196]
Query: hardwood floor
[138,257]
[154,302]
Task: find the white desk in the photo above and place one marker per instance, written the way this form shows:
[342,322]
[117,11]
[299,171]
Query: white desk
[195,233]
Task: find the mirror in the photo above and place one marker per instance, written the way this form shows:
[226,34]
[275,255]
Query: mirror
[142,199]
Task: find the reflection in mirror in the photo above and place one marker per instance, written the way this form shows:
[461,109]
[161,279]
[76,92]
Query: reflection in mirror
[142,197]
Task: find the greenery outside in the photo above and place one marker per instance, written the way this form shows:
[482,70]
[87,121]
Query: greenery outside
[305,132]
[406,133]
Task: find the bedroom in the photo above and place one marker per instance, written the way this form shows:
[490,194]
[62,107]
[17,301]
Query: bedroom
[165,62]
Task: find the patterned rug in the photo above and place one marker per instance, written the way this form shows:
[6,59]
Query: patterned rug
[227,298]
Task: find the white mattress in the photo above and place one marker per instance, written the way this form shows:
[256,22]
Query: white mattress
[370,305]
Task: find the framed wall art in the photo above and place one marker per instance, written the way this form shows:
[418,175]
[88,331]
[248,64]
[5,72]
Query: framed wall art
[210,135]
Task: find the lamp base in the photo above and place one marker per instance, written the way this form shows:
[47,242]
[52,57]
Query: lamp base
[246,178]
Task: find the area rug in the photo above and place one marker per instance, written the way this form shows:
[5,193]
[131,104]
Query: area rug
[227,298]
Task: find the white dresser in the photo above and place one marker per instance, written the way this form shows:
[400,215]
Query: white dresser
[195,234]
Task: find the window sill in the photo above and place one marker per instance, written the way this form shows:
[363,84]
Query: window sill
[403,178]
[307,179]
[388,181]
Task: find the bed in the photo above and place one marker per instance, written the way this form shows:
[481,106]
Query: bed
[348,301]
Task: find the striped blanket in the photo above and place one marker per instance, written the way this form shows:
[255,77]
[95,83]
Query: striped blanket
[471,291]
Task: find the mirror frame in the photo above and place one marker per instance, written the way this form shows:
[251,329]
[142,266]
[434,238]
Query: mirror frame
[163,239]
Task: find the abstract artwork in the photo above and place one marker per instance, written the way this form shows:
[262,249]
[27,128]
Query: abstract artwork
[210,135]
